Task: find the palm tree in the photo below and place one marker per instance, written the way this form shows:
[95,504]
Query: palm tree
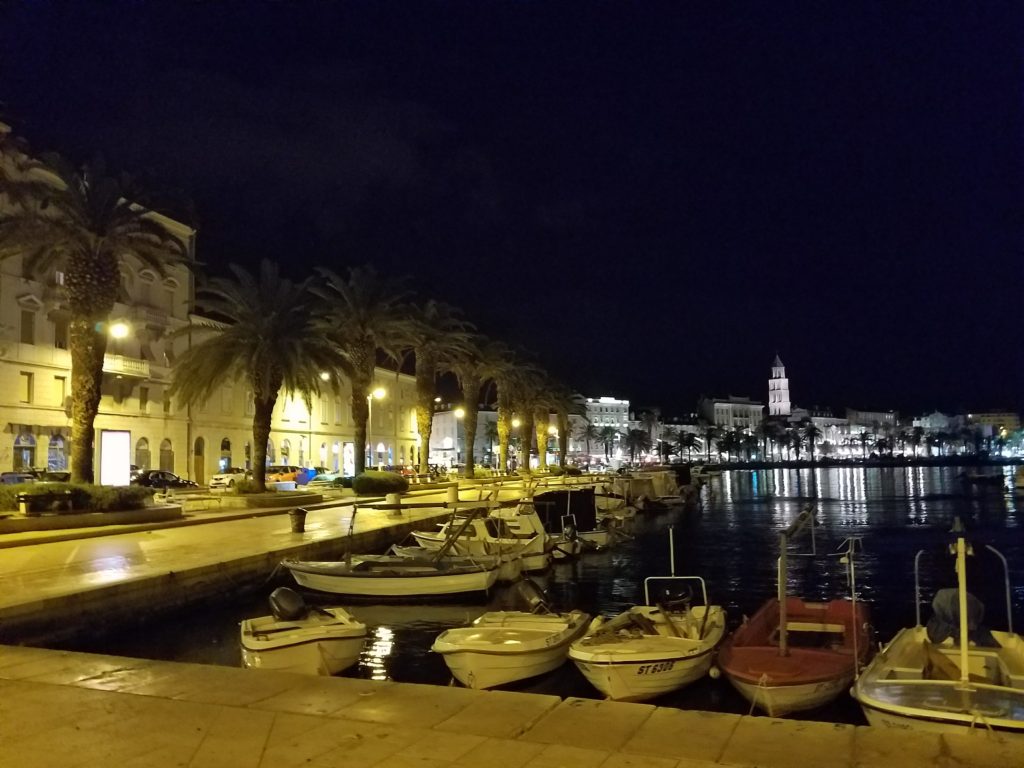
[268,339]
[687,441]
[608,437]
[439,337]
[651,420]
[669,437]
[865,437]
[564,405]
[88,224]
[916,438]
[503,368]
[362,315]
[491,436]
[708,433]
[637,441]
[811,433]
[785,441]
[588,433]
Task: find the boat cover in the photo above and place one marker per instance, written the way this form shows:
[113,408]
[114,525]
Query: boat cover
[945,620]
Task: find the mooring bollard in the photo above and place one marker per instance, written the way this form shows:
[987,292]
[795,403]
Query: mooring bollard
[453,494]
[394,499]
[298,519]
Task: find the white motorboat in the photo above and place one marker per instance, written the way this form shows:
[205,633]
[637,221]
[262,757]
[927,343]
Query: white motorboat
[525,525]
[651,649]
[509,565]
[391,576]
[299,638]
[952,675]
[503,647]
[489,536]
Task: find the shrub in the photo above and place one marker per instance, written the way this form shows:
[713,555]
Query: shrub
[342,482]
[480,473]
[554,469]
[84,498]
[573,471]
[373,482]
[245,485]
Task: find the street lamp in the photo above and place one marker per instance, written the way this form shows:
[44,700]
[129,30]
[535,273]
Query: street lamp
[376,394]
[119,330]
[458,413]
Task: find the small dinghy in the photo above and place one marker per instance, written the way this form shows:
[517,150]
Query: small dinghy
[652,649]
[794,655]
[502,647]
[301,638]
[953,674]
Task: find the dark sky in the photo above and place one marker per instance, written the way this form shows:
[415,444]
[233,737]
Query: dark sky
[653,197]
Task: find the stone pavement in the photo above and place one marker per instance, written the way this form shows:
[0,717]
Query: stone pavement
[73,710]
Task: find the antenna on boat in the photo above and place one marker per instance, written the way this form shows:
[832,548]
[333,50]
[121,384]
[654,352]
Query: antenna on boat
[671,550]
[851,544]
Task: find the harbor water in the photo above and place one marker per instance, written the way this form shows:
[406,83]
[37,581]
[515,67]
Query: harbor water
[731,541]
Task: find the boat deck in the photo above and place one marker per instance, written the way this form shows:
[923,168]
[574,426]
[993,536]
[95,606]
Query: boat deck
[80,710]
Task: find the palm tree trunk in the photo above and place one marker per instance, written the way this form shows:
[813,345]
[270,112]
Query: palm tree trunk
[87,348]
[563,439]
[541,422]
[263,411]
[526,439]
[469,434]
[426,370]
[360,415]
[504,425]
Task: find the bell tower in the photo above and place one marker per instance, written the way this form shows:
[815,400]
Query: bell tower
[778,390]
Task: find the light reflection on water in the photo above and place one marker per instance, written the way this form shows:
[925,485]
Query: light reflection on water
[732,543]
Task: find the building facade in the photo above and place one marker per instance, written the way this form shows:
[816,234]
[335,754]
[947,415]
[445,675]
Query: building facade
[731,412]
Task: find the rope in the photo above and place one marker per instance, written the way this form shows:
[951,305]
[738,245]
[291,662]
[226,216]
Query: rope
[762,684]
[976,716]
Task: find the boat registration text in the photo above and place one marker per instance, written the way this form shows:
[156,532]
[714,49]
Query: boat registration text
[653,669]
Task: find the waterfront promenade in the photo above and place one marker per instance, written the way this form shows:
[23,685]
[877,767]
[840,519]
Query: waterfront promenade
[72,710]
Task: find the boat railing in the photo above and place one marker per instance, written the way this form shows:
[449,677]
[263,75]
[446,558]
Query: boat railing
[698,579]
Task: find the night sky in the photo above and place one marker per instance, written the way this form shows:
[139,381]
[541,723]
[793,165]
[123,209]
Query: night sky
[652,197]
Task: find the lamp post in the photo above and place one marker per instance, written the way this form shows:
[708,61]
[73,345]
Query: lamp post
[376,394]
[458,413]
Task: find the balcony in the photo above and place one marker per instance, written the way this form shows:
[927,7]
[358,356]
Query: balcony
[131,367]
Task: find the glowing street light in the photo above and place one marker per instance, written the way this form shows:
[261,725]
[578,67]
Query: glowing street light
[458,413]
[119,330]
[325,376]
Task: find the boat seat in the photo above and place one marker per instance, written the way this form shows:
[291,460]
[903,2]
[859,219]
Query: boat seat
[814,626]
[941,667]
[1012,667]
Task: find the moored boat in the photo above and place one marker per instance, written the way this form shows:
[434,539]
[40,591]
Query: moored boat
[794,655]
[502,647]
[953,675]
[655,648]
[391,576]
[825,642]
[300,638]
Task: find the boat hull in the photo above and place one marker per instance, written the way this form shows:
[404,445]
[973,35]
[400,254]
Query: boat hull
[781,700]
[644,679]
[377,585]
[315,657]
[508,646]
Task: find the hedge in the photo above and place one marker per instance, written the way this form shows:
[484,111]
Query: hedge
[84,498]
[372,482]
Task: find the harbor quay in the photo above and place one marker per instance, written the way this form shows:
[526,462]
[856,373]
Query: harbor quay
[62,709]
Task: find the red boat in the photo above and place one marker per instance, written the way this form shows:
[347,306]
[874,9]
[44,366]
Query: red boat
[804,666]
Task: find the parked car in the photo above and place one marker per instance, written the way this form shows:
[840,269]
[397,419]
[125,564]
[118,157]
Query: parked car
[304,475]
[325,480]
[14,478]
[161,479]
[282,473]
[53,476]
[228,478]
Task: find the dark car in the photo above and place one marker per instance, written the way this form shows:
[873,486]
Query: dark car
[158,478]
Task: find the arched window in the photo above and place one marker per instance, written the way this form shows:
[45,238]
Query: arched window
[24,451]
[166,456]
[225,455]
[286,449]
[142,459]
[270,451]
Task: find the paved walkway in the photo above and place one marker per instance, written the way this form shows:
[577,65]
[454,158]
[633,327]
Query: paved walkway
[71,710]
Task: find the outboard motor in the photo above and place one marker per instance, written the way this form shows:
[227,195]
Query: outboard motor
[527,596]
[287,605]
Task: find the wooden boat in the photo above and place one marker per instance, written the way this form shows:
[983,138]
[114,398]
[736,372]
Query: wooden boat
[951,676]
[502,647]
[794,655]
[391,576]
[825,641]
[299,638]
[651,649]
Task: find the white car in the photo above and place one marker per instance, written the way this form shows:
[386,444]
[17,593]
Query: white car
[226,480]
